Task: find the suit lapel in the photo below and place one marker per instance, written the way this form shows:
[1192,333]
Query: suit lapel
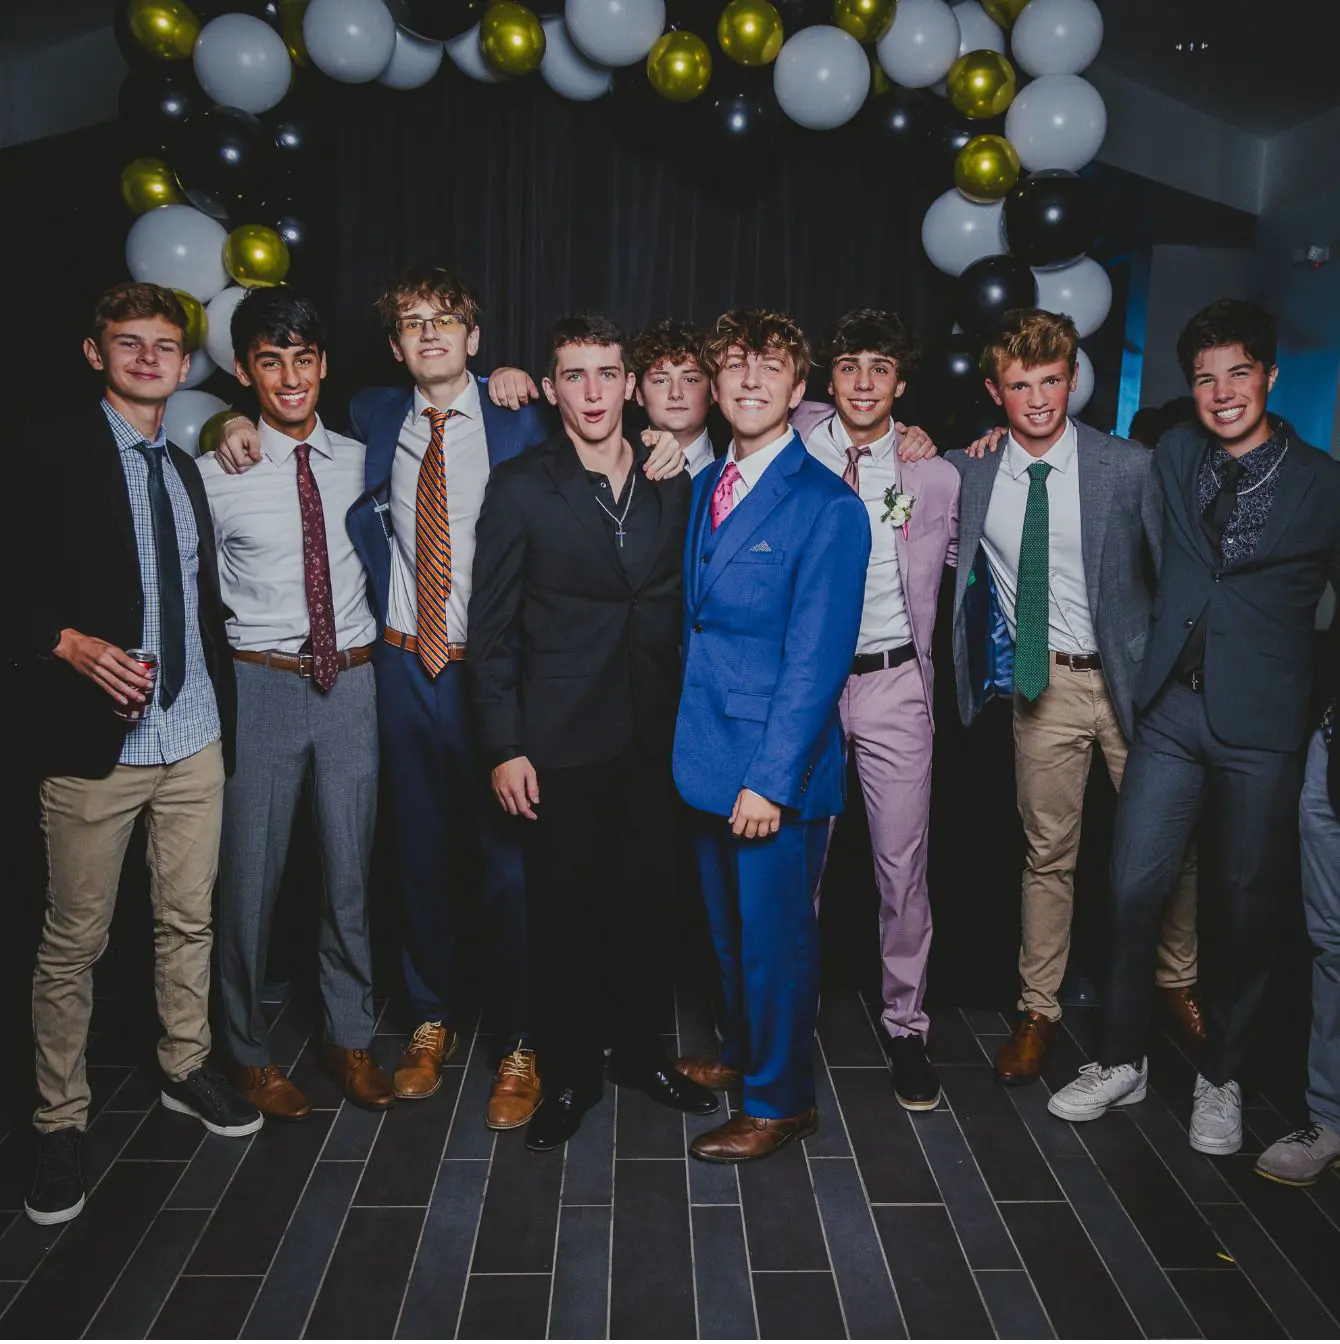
[669,512]
[1189,473]
[497,425]
[974,500]
[1297,471]
[569,477]
[747,516]
[383,436]
[699,514]
[1095,505]
[106,459]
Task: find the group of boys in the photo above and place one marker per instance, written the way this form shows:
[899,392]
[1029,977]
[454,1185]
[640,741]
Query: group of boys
[552,647]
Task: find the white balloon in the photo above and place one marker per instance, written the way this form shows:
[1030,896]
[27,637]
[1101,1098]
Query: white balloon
[614,32]
[956,231]
[1081,290]
[921,44]
[219,336]
[1057,37]
[821,77]
[186,411]
[349,40]
[566,70]
[413,63]
[242,62]
[1079,398]
[178,246]
[467,57]
[201,367]
[977,30]
[1057,121]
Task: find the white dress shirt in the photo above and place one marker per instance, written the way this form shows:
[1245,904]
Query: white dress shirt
[258,529]
[1069,621]
[884,620]
[700,454]
[467,464]
[752,467]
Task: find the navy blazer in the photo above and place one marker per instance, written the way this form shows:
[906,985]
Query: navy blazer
[772,611]
[375,418]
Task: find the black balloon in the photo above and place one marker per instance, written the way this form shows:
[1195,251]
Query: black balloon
[798,14]
[299,128]
[952,133]
[953,393]
[989,288]
[694,16]
[740,124]
[903,120]
[225,161]
[154,105]
[438,20]
[294,227]
[1051,218]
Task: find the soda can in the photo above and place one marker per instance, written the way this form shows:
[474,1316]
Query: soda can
[148,660]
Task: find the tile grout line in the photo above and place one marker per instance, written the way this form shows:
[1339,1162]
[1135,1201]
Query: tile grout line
[558,1228]
[614,1176]
[483,1197]
[819,1214]
[688,1186]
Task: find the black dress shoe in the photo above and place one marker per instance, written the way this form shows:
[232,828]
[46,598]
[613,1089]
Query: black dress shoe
[665,1084]
[914,1082]
[557,1119]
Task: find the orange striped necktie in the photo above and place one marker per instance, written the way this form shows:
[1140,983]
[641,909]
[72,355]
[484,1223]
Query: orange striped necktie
[432,548]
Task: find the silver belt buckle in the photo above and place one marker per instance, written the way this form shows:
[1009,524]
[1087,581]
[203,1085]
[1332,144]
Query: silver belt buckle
[306,663]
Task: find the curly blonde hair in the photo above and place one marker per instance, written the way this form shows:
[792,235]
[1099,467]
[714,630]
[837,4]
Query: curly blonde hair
[756,330]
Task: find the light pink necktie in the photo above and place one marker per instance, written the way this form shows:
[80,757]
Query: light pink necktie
[723,497]
[852,475]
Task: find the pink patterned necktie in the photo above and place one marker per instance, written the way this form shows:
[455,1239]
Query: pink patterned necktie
[316,574]
[723,497]
[852,475]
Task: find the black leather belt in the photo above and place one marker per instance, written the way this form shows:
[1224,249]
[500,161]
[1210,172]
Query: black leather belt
[877,662]
[1079,662]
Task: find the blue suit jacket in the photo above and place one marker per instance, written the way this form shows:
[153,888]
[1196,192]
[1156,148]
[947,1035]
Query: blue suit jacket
[772,609]
[375,417]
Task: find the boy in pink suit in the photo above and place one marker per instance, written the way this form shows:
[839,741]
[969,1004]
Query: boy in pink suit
[886,704]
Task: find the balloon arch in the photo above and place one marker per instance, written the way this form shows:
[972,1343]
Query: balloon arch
[216,105]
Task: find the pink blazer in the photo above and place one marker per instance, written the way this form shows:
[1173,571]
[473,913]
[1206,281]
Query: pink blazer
[932,534]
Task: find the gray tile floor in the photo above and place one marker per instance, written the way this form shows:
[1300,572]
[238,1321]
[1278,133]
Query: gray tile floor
[987,1217]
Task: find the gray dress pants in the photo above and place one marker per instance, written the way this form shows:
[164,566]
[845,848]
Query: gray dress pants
[1320,834]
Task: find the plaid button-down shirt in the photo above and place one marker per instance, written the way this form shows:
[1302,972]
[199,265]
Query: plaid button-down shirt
[192,722]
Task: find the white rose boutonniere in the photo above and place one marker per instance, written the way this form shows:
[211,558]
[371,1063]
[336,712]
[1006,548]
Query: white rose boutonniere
[897,509]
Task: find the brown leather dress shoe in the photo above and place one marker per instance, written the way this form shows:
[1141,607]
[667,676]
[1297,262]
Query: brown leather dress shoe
[746,1138]
[418,1071]
[516,1090]
[708,1072]
[1182,1003]
[268,1089]
[360,1077]
[1019,1060]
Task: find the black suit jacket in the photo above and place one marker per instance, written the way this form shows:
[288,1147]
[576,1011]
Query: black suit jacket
[569,655]
[1259,643]
[72,562]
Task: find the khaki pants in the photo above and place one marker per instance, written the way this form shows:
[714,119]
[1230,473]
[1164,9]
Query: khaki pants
[1053,747]
[87,824]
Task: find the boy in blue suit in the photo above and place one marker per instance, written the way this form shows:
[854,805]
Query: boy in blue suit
[774,579]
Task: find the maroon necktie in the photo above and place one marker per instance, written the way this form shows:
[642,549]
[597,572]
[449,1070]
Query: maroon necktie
[316,574]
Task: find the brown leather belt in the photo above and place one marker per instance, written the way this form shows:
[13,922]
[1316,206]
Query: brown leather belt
[455,652]
[301,663]
[1079,662]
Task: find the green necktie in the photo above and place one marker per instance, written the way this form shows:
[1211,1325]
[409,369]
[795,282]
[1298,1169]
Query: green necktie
[1030,600]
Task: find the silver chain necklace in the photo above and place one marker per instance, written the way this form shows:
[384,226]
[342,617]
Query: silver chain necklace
[617,518]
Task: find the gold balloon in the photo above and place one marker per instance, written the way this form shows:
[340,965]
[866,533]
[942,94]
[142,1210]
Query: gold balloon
[511,38]
[986,168]
[981,84]
[149,183]
[865,20]
[880,83]
[254,254]
[290,29]
[211,432]
[750,32]
[166,29]
[679,66]
[1004,12]
[197,324]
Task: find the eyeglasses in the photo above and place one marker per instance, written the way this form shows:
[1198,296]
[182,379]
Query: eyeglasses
[443,322]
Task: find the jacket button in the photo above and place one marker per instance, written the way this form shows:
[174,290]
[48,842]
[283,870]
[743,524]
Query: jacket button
[697,629]
[705,560]
[1217,577]
[1188,624]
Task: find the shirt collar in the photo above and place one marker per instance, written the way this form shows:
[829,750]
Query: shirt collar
[1260,460]
[880,448]
[467,404]
[278,446]
[126,435]
[753,466]
[1059,456]
[699,451]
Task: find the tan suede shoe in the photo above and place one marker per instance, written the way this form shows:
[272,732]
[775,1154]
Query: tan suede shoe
[708,1072]
[516,1091]
[746,1138]
[268,1089]
[1019,1060]
[418,1071]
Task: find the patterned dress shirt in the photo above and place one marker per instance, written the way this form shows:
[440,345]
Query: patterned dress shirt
[1256,493]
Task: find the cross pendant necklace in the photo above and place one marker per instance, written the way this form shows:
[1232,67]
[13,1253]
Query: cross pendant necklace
[619,517]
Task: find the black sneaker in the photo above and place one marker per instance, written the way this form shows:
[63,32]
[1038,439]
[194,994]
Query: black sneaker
[58,1185]
[914,1082]
[214,1102]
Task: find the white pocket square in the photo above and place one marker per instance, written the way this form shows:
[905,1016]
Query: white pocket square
[762,548]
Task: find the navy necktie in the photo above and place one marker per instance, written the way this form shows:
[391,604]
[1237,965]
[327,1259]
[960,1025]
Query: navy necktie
[171,600]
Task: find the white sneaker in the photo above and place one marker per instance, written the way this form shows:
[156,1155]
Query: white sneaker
[1216,1118]
[1097,1088]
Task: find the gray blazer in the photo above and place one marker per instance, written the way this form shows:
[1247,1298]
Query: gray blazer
[1259,642]
[1121,534]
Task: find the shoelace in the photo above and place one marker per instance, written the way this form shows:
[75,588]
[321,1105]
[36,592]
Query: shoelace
[426,1036]
[1220,1102]
[516,1065]
[1307,1136]
[1094,1075]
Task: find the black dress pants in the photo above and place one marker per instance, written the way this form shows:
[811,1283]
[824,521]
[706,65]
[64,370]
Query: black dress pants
[1177,766]
[600,881]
